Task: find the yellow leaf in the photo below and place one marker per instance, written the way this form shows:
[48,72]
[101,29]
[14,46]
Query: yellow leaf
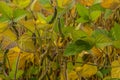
[29,24]
[3,26]
[78,69]
[9,34]
[63,3]
[115,72]
[26,43]
[88,70]
[22,3]
[15,49]
[41,19]
[72,75]
[24,57]
[8,38]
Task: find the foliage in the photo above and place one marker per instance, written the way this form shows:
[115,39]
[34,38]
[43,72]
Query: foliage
[59,39]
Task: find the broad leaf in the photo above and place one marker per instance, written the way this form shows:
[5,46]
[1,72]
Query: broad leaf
[88,70]
[115,72]
[18,74]
[97,1]
[19,14]
[82,20]
[96,7]
[77,47]
[115,32]
[75,34]
[101,38]
[3,26]
[99,74]
[6,10]
[82,10]
[108,12]
[26,43]
[102,41]
[78,34]
[22,3]
[94,15]
[45,3]
[3,18]
[64,3]
[116,43]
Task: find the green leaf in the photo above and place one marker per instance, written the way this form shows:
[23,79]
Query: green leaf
[82,10]
[97,1]
[13,71]
[102,41]
[94,15]
[3,18]
[97,7]
[77,47]
[82,20]
[45,3]
[19,14]
[108,12]
[75,34]
[115,32]
[101,38]
[78,34]
[99,74]
[6,10]
[105,71]
[70,66]
[116,44]
[18,74]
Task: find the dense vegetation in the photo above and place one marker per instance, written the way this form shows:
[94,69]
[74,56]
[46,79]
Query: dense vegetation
[59,39]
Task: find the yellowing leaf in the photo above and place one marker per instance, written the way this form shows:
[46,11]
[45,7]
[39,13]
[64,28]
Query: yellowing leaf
[3,26]
[110,3]
[77,69]
[106,3]
[96,52]
[26,43]
[16,49]
[41,19]
[86,2]
[88,29]
[88,70]
[115,72]
[72,75]
[29,24]
[24,57]
[63,3]
[22,3]
[6,10]
[9,34]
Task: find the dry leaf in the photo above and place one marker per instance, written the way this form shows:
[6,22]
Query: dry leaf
[110,3]
[96,52]
[86,2]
